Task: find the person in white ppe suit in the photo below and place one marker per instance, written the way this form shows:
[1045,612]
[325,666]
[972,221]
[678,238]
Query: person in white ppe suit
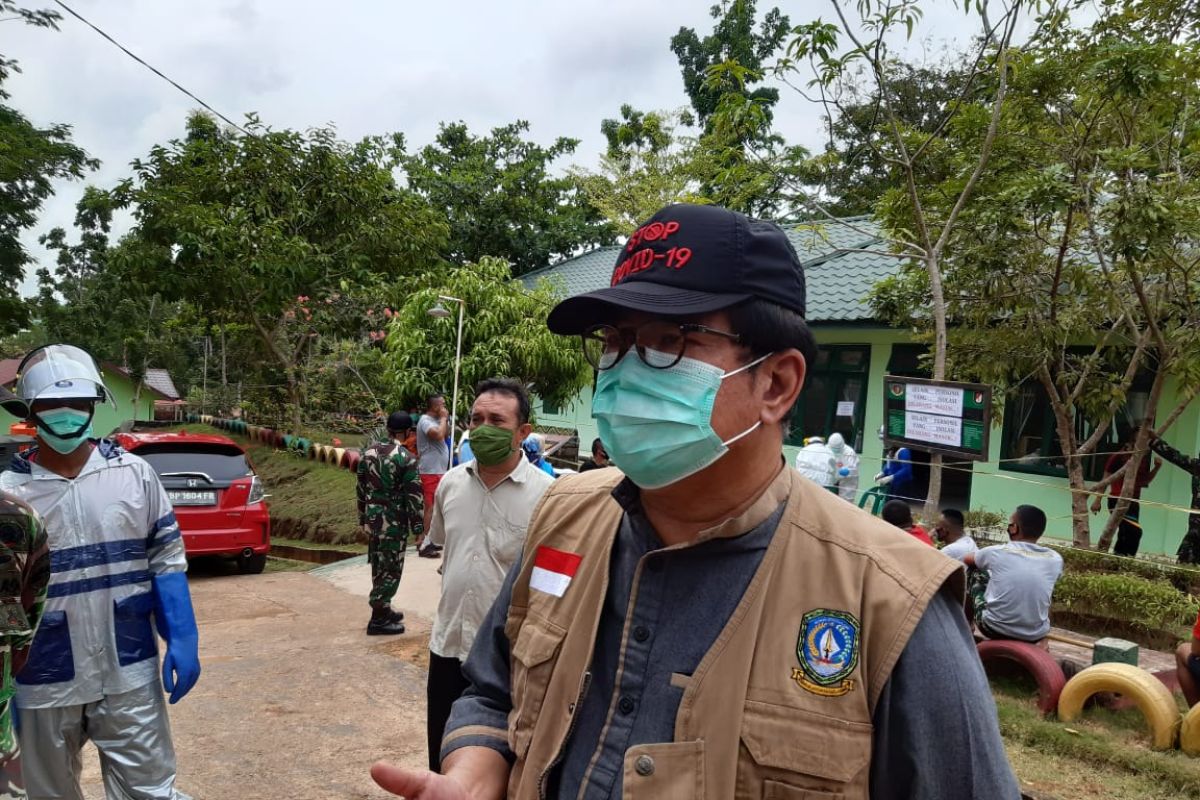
[117,563]
[816,461]
[846,467]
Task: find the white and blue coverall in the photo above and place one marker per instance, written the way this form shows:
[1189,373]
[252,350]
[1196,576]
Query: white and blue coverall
[93,669]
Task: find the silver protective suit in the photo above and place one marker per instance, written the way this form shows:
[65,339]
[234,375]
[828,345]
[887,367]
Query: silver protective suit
[94,661]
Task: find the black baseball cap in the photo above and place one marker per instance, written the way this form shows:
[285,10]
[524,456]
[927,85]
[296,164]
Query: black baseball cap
[692,259]
[399,421]
[13,404]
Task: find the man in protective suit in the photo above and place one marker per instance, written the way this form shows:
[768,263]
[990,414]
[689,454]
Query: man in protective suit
[817,462]
[847,467]
[117,561]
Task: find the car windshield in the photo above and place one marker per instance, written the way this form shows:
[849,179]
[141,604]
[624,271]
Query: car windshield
[221,463]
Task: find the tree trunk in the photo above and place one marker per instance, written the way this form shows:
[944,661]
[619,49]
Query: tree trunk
[1064,424]
[933,496]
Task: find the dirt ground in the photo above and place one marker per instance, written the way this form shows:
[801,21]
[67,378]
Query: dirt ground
[294,700]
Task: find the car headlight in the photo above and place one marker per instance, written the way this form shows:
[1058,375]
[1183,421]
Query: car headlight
[257,492]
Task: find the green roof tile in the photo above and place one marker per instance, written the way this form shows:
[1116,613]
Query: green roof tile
[838,282]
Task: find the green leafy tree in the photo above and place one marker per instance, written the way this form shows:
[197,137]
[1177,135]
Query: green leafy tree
[853,173]
[837,57]
[242,224]
[501,199]
[504,333]
[31,159]
[735,39]
[1075,265]
[646,166]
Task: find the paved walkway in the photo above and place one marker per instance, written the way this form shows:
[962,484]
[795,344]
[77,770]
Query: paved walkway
[295,701]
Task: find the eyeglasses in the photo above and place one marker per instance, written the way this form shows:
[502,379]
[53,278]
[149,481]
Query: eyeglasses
[659,344]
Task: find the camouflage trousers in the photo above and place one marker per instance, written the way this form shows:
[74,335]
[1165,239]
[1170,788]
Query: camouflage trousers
[11,785]
[385,552]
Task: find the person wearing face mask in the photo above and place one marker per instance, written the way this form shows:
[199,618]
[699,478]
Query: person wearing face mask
[480,513]
[701,621]
[117,572]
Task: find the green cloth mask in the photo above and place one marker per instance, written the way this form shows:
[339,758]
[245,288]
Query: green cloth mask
[491,445]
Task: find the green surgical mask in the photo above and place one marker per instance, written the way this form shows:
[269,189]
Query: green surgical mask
[491,445]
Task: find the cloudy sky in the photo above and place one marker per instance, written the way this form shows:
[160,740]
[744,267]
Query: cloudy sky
[366,66]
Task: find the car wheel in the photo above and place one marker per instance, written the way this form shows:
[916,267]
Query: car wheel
[252,565]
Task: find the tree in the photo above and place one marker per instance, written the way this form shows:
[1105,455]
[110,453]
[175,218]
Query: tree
[734,40]
[504,334]
[852,173]
[242,224]
[1075,265]
[920,224]
[500,198]
[31,159]
[647,166]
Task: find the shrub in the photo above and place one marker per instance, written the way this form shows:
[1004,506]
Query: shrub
[1150,605]
[982,518]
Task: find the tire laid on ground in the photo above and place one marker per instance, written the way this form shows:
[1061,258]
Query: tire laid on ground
[339,453]
[301,445]
[1037,662]
[252,565]
[1153,699]
[1189,732]
[287,441]
[351,460]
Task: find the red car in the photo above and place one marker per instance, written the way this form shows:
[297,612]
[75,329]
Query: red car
[218,499]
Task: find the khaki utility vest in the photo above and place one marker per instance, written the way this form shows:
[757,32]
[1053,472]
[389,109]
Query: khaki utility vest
[780,706]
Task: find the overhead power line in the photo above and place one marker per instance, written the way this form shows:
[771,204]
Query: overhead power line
[148,66]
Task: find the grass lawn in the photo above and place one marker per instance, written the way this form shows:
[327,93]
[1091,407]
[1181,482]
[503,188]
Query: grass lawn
[308,500]
[1103,755]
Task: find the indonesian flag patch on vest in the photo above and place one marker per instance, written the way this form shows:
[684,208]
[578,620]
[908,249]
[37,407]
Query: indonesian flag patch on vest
[553,570]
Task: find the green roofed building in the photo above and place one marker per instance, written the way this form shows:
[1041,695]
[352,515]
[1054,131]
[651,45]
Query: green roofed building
[844,392]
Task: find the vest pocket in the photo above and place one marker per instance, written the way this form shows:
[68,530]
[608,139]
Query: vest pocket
[667,771]
[795,754]
[532,664]
[50,657]
[135,637]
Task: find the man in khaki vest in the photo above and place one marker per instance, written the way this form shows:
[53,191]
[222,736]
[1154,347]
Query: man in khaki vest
[703,622]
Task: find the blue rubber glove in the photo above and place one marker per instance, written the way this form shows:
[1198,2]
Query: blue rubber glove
[176,624]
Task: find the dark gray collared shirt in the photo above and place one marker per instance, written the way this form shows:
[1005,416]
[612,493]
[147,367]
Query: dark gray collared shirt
[659,621]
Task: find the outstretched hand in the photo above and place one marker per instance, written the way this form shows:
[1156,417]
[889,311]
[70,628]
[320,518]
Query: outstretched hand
[415,784]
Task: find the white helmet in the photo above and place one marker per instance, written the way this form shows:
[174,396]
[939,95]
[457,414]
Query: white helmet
[837,443]
[60,372]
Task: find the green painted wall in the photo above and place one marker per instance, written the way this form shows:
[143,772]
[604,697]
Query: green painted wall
[107,418]
[1165,501]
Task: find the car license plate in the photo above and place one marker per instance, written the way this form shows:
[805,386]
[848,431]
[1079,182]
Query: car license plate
[187,498]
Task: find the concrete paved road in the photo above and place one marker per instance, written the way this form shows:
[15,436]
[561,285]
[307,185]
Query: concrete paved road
[295,701]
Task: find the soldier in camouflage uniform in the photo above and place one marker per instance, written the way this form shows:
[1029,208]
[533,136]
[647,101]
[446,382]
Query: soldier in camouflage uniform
[390,509]
[24,574]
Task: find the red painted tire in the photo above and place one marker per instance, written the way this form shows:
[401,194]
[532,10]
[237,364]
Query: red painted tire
[1037,662]
[350,462]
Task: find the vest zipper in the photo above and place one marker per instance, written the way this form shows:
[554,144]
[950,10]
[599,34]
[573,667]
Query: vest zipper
[575,708]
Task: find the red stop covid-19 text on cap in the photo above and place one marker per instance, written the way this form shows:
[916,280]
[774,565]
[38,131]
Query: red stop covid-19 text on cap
[643,259]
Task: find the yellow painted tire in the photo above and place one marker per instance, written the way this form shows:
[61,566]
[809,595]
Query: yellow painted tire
[338,454]
[1153,699]
[1189,732]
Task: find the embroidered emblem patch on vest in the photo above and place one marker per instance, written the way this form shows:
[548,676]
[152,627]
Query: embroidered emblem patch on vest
[828,652]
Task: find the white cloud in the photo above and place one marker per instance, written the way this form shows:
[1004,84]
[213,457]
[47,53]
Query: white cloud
[368,66]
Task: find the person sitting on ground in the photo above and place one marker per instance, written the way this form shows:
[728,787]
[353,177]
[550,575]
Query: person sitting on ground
[599,459]
[897,512]
[1010,585]
[949,531]
[1187,666]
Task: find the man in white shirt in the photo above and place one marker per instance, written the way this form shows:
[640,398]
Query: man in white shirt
[953,538]
[480,515]
[1011,584]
